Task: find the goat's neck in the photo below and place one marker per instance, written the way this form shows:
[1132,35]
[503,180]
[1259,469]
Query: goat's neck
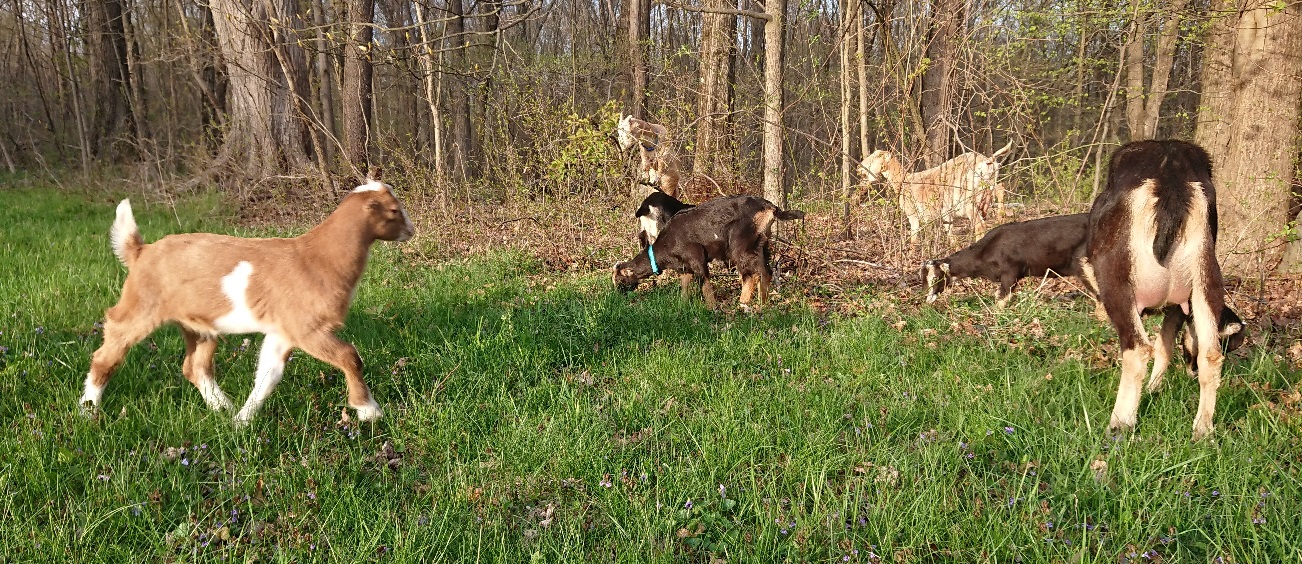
[338,248]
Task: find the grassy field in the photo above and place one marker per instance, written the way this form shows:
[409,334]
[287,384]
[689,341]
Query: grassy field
[539,416]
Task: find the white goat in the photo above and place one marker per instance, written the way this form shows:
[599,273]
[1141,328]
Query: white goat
[296,291]
[658,165]
[963,186]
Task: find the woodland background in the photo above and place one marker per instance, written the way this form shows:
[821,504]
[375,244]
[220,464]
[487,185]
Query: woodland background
[491,101]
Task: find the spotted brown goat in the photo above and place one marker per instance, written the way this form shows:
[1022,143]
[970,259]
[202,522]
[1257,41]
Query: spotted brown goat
[296,291]
[1152,243]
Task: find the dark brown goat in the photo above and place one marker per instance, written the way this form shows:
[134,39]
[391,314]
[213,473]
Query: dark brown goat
[654,213]
[1152,245]
[732,229]
[1014,251]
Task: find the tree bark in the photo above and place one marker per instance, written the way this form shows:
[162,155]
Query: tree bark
[265,133]
[937,104]
[1248,121]
[713,154]
[774,41]
[462,150]
[639,30]
[106,44]
[357,82]
[849,43]
[1143,109]
[325,80]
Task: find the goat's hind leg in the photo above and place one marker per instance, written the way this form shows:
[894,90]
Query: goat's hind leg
[1135,353]
[198,369]
[271,367]
[1206,310]
[335,352]
[123,327]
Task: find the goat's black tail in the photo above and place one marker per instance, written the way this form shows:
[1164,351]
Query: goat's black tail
[789,215]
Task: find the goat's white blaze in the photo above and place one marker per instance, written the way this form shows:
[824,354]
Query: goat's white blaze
[1156,285]
[271,366]
[240,319]
[650,226]
[372,186]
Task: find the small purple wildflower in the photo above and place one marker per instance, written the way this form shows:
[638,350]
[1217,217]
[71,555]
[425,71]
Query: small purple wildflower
[103,477]
[1216,493]
[185,462]
[722,491]
[1008,430]
[311,495]
[989,432]
[1258,520]
[688,505]
[40,330]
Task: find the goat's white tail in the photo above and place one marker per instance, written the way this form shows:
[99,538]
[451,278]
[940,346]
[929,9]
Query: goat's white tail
[125,236]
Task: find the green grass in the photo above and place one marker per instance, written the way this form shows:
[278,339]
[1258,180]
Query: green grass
[541,416]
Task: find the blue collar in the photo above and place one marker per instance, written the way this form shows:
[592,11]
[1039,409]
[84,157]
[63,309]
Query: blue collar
[649,147]
[651,254]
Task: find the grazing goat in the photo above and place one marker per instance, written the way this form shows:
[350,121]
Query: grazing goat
[733,229]
[1152,243]
[960,187]
[1014,251]
[654,213]
[658,167]
[296,291]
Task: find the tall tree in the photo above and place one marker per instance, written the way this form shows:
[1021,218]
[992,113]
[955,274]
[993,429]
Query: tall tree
[1252,76]
[325,80]
[266,134]
[639,31]
[713,154]
[463,143]
[937,103]
[1144,109]
[106,45]
[356,91]
[775,177]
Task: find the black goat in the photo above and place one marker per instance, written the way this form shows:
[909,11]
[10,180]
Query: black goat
[733,229]
[1014,251]
[654,213]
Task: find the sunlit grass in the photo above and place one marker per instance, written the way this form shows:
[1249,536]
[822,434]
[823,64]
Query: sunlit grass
[541,415]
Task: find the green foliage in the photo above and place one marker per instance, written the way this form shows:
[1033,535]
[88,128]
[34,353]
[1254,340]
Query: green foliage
[540,416]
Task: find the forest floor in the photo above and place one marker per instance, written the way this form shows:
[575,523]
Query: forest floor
[535,414]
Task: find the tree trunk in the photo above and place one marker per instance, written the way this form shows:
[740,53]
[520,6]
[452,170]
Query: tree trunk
[1248,121]
[639,30]
[357,81]
[462,150]
[937,105]
[713,154]
[849,43]
[774,41]
[265,133]
[106,45]
[325,80]
[1144,109]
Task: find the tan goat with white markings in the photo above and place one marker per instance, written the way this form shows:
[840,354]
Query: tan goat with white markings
[296,291]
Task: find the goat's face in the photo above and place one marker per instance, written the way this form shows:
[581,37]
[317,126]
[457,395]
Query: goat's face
[624,278]
[385,215]
[624,133]
[936,274]
[871,168]
[986,169]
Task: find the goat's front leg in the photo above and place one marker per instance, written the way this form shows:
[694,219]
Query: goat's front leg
[1172,318]
[685,282]
[271,366]
[1006,284]
[335,352]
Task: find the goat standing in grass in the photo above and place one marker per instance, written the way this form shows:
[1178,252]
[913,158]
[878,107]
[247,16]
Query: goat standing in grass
[733,229]
[1152,244]
[296,291]
[964,186]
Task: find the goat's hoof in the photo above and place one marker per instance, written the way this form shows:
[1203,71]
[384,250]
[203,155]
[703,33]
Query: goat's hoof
[88,409]
[1201,430]
[241,420]
[369,412]
[1120,425]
